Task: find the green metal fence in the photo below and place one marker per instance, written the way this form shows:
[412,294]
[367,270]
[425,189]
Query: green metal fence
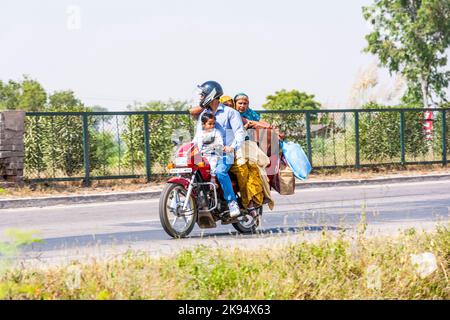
[70,146]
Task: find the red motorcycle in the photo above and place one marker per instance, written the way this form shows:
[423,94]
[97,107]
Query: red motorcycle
[191,198]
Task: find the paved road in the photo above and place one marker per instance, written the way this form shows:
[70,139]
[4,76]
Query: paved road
[100,230]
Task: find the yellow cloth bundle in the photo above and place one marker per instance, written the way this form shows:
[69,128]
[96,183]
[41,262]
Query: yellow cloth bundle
[250,171]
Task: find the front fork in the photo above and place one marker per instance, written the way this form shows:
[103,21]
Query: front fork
[189,191]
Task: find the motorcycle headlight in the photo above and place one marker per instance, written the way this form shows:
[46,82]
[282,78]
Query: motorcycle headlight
[181,161]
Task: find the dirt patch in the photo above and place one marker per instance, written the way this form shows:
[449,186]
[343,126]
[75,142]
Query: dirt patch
[377,172]
[130,185]
[77,188]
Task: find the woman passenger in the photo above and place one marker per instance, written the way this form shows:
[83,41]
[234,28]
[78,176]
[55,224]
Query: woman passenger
[250,163]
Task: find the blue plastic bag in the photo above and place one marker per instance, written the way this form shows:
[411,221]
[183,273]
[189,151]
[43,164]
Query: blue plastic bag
[297,159]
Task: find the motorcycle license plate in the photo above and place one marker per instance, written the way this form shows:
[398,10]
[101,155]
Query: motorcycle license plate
[181,170]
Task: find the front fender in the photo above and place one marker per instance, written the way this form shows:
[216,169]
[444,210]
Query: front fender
[180,180]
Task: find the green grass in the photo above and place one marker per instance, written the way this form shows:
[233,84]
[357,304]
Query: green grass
[332,268]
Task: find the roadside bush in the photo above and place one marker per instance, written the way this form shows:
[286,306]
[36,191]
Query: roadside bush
[380,134]
[437,127]
[104,152]
[35,144]
[54,144]
[162,129]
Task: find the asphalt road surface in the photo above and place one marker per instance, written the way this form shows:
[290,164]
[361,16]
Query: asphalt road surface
[107,229]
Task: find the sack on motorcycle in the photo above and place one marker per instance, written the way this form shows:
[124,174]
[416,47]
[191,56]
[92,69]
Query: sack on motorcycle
[283,181]
[297,159]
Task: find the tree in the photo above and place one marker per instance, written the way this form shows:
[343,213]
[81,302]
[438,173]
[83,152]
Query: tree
[291,100]
[367,88]
[291,124]
[33,96]
[65,101]
[411,37]
[9,95]
[27,95]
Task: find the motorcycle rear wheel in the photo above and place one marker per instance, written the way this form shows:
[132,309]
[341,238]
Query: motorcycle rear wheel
[171,210]
[250,226]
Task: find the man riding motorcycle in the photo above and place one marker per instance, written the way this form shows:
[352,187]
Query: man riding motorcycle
[229,124]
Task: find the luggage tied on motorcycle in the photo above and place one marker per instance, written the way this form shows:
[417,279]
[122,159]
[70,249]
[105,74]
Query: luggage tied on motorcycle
[283,181]
[250,169]
[262,126]
[297,159]
[268,141]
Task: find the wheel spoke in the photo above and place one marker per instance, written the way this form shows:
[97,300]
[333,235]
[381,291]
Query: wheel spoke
[247,221]
[174,221]
[173,204]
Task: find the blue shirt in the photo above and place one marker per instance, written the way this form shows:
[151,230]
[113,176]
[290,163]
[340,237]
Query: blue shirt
[228,123]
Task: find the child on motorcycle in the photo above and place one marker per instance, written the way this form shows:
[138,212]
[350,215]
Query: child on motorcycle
[227,100]
[210,143]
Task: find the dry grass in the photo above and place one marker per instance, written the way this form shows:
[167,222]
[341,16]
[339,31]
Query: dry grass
[339,268]
[77,188]
[377,172]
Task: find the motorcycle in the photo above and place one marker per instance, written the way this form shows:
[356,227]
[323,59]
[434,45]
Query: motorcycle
[191,198]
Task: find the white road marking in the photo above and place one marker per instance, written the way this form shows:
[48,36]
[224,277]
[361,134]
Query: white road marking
[377,186]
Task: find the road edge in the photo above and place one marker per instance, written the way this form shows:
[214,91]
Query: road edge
[146,195]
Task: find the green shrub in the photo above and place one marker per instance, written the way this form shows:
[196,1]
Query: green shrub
[162,129]
[379,134]
[54,145]
[437,127]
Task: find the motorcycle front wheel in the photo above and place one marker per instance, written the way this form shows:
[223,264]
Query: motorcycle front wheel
[176,221]
[247,224]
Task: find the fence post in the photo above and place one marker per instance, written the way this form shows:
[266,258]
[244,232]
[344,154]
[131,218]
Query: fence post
[308,136]
[12,154]
[147,148]
[357,159]
[87,166]
[402,136]
[444,138]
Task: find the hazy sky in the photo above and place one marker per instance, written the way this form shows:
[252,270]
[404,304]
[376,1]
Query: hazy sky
[113,52]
